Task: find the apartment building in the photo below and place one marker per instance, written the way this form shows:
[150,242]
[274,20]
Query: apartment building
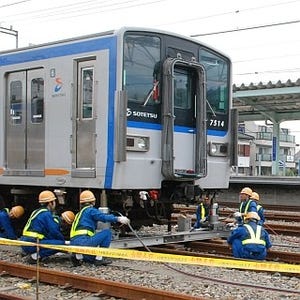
[256,153]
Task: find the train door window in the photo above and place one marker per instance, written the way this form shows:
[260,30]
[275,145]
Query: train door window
[87,92]
[184,96]
[37,100]
[182,90]
[16,102]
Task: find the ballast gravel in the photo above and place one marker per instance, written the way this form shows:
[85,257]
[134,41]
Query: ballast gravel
[199,281]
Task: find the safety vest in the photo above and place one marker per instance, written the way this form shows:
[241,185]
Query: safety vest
[30,233]
[258,207]
[202,211]
[255,237]
[74,231]
[246,207]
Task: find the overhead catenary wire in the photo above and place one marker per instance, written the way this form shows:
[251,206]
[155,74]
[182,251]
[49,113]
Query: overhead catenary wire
[93,7]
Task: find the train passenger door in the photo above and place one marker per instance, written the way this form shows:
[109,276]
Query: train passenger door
[184,119]
[85,131]
[25,128]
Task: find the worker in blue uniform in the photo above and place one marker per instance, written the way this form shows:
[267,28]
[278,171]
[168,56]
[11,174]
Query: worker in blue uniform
[6,228]
[202,212]
[42,228]
[246,205]
[64,222]
[250,241]
[83,231]
[260,210]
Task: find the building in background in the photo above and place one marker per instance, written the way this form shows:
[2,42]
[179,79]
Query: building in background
[255,151]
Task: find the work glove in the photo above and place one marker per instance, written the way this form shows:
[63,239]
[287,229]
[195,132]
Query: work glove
[123,220]
[237,214]
[67,242]
[203,220]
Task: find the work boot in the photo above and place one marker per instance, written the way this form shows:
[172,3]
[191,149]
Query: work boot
[76,262]
[31,260]
[102,262]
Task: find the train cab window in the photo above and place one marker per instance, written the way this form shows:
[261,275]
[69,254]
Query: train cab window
[217,71]
[16,102]
[37,100]
[87,92]
[141,68]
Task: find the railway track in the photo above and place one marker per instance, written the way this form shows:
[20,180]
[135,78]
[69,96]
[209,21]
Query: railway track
[227,212]
[90,284]
[219,248]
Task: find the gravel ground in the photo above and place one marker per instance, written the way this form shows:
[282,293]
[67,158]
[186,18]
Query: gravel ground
[201,281]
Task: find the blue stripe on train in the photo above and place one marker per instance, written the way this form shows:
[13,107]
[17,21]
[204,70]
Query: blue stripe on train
[183,129]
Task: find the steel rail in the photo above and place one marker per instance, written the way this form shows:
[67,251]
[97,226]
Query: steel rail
[94,285]
[222,248]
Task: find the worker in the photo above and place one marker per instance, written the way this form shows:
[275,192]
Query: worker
[64,222]
[260,210]
[42,228]
[246,205]
[83,231]
[250,240]
[68,217]
[6,228]
[202,212]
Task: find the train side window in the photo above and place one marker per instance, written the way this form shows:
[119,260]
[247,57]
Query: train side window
[37,100]
[16,102]
[87,92]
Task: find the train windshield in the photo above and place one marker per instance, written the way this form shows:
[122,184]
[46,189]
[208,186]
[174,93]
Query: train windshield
[141,59]
[217,73]
[144,56]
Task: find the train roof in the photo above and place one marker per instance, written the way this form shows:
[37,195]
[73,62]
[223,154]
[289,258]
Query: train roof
[119,31]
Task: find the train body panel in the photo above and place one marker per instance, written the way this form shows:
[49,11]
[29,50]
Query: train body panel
[124,111]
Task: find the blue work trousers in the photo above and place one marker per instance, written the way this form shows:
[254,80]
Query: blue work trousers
[256,252]
[99,239]
[43,252]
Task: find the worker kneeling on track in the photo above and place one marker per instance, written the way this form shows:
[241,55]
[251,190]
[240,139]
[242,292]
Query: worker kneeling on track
[250,241]
[83,231]
[6,227]
[42,227]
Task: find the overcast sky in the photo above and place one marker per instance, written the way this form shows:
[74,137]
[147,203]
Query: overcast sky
[261,37]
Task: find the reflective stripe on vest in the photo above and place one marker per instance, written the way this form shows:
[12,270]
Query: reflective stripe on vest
[254,238]
[74,232]
[33,234]
[246,207]
[202,211]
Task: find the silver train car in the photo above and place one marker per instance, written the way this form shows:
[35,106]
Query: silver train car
[141,117]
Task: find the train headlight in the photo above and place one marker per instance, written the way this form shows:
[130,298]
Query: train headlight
[137,143]
[218,149]
[142,144]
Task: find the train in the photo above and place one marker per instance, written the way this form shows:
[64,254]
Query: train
[142,117]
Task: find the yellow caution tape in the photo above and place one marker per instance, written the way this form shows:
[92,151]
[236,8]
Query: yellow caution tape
[165,258]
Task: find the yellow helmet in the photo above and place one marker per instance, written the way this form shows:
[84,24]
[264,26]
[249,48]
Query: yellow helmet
[68,216]
[46,196]
[87,196]
[252,215]
[255,196]
[17,211]
[247,191]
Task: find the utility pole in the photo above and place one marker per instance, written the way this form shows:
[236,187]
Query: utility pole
[10,31]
